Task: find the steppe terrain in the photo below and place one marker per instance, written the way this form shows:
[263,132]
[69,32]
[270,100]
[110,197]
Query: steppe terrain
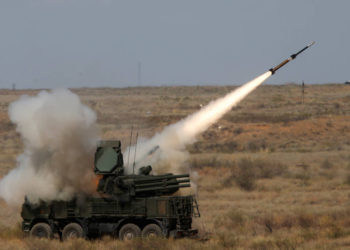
[273,173]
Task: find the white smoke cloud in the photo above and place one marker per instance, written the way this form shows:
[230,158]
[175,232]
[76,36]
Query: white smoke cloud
[169,145]
[59,134]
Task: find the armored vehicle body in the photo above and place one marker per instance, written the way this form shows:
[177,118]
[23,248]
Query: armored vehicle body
[128,206]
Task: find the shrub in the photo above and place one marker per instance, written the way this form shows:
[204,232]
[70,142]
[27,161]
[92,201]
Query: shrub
[306,220]
[228,180]
[308,234]
[286,244]
[213,162]
[336,232]
[246,174]
[256,145]
[326,164]
[304,177]
[274,222]
[269,223]
[227,147]
[249,170]
[347,179]
[304,166]
[232,219]
[269,169]
[227,240]
[238,131]
[328,174]
[262,244]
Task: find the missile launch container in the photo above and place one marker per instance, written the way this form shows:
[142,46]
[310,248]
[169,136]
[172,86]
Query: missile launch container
[127,206]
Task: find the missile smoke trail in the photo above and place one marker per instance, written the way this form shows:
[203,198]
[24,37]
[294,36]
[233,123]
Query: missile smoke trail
[166,150]
[59,135]
[170,143]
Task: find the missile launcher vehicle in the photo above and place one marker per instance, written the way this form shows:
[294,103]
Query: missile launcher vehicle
[127,206]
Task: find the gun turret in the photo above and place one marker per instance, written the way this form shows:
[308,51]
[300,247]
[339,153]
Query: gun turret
[143,186]
[109,164]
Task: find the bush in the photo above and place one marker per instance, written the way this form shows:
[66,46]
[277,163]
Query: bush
[326,164]
[232,219]
[224,147]
[227,147]
[262,244]
[268,169]
[228,179]
[347,179]
[306,220]
[256,145]
[246,174]
[238,130]
[213,162]
[336,232]
[249,170]
[304,177]
[286,244]
[273,222]
[227,240]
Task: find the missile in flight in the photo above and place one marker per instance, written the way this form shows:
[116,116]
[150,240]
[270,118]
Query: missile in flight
[292,57]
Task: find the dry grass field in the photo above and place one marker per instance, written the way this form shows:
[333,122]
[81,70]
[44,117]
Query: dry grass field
[273,173]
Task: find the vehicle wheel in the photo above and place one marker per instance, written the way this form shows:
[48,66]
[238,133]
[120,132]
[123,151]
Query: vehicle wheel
[152,231]
[41,230]
[129,231]
[72,231]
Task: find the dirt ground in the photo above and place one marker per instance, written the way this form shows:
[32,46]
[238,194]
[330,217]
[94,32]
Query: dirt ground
[273,173]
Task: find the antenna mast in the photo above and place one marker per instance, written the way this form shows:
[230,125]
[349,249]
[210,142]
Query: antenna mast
[133,165]
[130,144]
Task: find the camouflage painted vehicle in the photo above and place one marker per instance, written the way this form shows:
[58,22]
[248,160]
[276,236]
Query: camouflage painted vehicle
[127,206]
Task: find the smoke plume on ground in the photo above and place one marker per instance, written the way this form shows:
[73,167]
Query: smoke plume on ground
[59,134]
[166,150]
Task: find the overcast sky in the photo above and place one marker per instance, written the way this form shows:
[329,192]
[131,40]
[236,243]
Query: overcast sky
[74,43]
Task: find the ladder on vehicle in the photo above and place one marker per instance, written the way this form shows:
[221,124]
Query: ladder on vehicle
[195,208]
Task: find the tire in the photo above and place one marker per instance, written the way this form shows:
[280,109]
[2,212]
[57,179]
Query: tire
[41,230]
[129,231]
[72,231]
[152,231]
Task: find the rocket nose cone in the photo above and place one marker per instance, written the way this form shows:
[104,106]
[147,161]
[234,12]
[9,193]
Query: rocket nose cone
[311,44]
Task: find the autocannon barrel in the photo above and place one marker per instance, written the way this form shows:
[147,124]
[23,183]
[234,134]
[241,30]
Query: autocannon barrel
[162,183]
[162,177]
[168,188]
[143,185]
